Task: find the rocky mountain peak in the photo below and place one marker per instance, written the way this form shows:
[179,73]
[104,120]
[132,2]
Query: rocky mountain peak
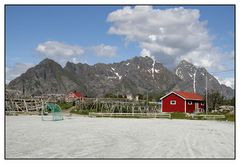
[194,80]
[48,61]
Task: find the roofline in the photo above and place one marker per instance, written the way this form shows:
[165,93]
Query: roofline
[195,99]
[180,96]
[171,93]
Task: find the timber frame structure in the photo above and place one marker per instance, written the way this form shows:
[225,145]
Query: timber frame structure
[103,105]
[117,105]
[12,106]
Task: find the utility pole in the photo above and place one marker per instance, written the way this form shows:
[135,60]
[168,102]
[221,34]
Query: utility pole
[23,88]
[206,95]
[194,81]
[147,96]
[147,99]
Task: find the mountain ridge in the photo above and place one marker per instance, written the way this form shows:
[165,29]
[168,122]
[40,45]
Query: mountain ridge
[137,75]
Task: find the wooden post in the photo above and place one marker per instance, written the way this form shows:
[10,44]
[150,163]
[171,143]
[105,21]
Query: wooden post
[133,110]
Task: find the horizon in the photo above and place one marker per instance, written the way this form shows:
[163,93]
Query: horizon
[69,33]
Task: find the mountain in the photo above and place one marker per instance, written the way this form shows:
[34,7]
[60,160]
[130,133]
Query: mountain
[194,79]
[46,77]
[139,75]
[136,76]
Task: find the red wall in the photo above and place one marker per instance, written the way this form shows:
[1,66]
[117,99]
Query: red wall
[202,106]
[190,108]
[167,107]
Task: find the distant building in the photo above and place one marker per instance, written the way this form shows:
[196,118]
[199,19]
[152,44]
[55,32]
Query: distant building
[187,102]
[129,96]
[136,97]
[73,96]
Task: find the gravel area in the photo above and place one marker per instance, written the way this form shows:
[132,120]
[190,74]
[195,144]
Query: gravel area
[84,137]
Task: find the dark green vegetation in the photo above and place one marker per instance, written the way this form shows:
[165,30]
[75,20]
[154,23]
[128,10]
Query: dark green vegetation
[65,105]
[215,99]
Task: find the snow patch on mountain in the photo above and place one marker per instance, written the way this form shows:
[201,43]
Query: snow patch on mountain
[111,77]
[157,70]
[179,73]
[119,77]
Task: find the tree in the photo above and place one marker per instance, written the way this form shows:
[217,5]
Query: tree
[214,100]
[140,96]
[229,101]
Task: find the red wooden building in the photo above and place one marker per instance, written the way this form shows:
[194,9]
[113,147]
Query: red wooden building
[187,102]
[73,96]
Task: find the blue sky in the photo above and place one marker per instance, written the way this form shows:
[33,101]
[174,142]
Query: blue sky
[93,34]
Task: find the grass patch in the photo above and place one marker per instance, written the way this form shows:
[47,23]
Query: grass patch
[82,112]
[178,115]
[230,117]
[65,105]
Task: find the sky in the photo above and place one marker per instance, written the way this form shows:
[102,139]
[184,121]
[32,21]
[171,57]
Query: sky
[202,35]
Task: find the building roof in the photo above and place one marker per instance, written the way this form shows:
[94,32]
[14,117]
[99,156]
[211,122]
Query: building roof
[189,95]
[76,94]
[186,95]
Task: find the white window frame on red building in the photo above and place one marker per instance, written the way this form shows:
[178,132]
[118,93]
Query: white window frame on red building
[189,102]
[171,102]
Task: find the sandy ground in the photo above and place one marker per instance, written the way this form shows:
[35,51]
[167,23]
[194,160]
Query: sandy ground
[83,137]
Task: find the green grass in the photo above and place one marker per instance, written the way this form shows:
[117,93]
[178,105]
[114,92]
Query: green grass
[65,105]
[230,117]
[177,115]
[81,112]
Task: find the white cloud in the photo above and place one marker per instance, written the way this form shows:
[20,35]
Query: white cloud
[75,60]
[58,51]
[104,50]
[16,70]
[55,48]
[170,35]
[147,53]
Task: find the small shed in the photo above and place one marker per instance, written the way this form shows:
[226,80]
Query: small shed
[186,102]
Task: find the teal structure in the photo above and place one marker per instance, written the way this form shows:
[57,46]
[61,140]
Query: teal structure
[54,110]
